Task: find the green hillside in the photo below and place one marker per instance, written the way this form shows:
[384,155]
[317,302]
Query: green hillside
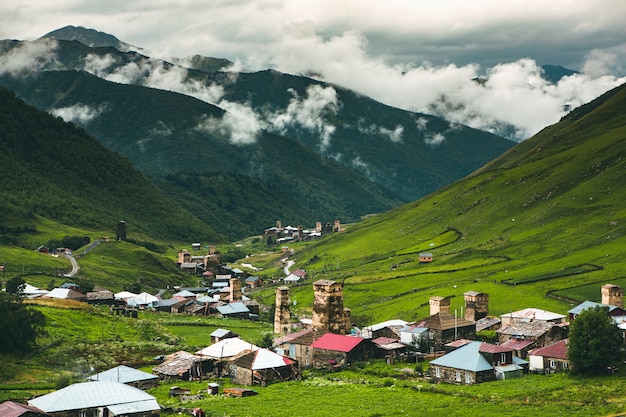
[50,169]
[325,151]
[542,226]
[157,131]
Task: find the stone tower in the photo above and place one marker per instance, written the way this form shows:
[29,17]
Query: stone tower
[328,311]
[438,304]
[476,305]
[121,230]
[235,289]
[282,314]
[612,295]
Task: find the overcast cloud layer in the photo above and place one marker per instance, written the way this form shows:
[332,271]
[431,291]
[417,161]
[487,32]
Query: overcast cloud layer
[415,55]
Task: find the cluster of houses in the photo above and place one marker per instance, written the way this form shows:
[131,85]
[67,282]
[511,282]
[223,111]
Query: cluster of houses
[226,299]
[528,340]
[286,234]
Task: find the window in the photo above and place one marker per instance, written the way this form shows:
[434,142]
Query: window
[502,357]
[468,378]
[552,363]
[438,372]
[431,335]
[458,376]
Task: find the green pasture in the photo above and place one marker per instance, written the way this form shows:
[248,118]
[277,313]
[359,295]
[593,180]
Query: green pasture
[388,392]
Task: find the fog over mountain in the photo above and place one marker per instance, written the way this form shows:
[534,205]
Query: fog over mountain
[419,56]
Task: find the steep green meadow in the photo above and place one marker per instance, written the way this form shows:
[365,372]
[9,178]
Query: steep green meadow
[542,226]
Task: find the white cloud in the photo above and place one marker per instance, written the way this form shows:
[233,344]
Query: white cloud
[434,139]
[394,135]
[28,58]
[310,113]
[78,113]
[241,124]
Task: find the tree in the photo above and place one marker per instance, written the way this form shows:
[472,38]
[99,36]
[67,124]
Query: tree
[15,285]
[20,325]
[595,342]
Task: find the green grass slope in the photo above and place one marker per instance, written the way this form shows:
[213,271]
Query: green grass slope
[54,170]
[541,226]
[203,172]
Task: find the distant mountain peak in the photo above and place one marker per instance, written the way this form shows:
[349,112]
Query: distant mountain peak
[89,37]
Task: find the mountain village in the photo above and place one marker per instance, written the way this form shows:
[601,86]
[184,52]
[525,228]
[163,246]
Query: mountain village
[444,347]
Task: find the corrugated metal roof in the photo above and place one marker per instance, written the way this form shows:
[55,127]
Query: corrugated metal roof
[123,374]
[220,333]
[262,359]
[517,344]
[233,308]
[337,342]
[91,394]
[556,350]
[132,408]
[459,343]
[226,348]
[489,348]
[13,409]
[467,357]
[534,314]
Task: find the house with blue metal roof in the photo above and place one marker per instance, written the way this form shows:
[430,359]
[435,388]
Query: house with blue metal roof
[477,362]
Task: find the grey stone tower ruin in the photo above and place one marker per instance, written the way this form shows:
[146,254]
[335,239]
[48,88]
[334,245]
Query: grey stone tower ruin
[476,305]
[282,314]
[328,311]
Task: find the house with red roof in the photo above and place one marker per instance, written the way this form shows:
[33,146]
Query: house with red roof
[549,359]
[297,346]
[13,409]
[336,350]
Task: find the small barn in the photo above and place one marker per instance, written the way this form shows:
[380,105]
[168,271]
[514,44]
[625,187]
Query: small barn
[184,366]
[425,257]
[262,367]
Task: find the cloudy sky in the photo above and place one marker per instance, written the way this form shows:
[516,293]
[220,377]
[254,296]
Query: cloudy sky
[415,54]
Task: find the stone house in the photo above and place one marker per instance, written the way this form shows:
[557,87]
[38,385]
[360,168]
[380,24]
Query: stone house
[476,362]
[297,346]
[336,350]
[549,359]
[262,367]
[184,366]
[444,327]
[541,332]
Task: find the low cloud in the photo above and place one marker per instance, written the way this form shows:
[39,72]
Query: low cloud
[28,58]
[394,135]
[240,123]
[512,100]
[78,113]
[310,112]
[434,139]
